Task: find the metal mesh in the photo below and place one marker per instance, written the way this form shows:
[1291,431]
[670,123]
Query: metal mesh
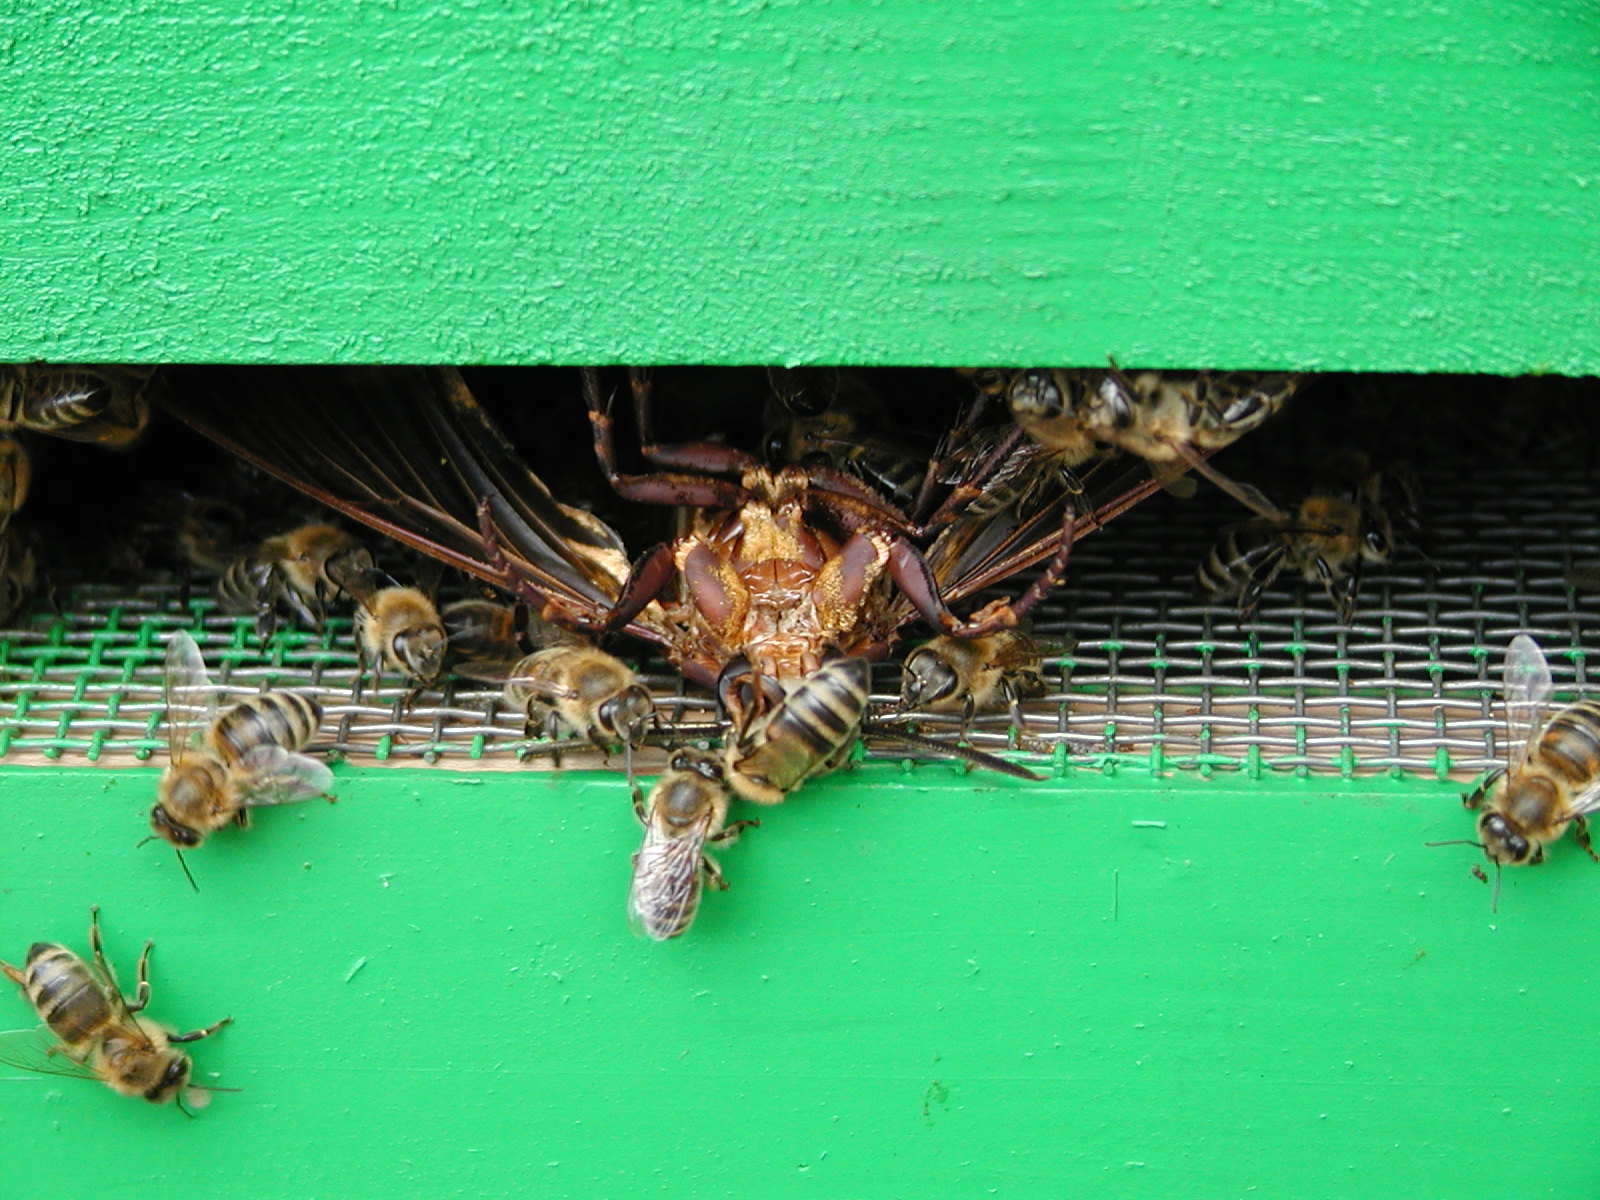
[1153,673]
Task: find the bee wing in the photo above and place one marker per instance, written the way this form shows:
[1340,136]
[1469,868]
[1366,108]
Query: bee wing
[484,670]
[29,1050]
[278,776]
[191,699]
[1527,685]
[665,893]
[1585,801]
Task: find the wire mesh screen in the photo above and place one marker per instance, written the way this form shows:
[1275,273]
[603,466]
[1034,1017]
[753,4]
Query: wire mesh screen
[1142,668]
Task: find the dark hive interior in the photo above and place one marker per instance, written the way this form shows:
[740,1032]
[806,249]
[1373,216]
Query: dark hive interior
[1140,663]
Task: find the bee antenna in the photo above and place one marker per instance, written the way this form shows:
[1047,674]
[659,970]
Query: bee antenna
[1458,842]
[1494,900]
[143,840]
[185,867]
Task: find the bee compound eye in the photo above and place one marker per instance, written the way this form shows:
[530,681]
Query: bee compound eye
[162,824]
[171,1081]
[1035,394]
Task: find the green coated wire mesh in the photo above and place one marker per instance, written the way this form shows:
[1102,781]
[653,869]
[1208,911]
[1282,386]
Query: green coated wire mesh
[1144,670]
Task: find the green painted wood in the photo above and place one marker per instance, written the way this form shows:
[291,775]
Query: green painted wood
[918,985]
[1237,183]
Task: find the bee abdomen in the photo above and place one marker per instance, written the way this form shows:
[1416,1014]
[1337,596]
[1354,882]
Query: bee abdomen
[64,993]
[243,584]
[1241,553]
[1570,743]
[825,715]
[287,719]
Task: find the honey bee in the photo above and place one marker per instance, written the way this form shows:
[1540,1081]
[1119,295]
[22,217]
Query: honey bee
[1171,419]
[105,404]
[301,570]
[806,733]
[399,629]
[1552,774]
[97,1034]
[580,688]
[16,472]
[225,763]
[1346,522]
[686,812]
[973,675]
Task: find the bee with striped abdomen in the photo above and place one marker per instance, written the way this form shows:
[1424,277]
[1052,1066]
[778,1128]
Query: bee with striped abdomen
[1346,522]
[807,732]
[225,763]
[1171,419]
[94,1032]
[105,404]
[300,571]
[1552,774]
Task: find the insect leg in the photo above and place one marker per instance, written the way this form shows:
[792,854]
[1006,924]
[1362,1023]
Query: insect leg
[197,1034]
[713,874]
[1580,830]
[733,831]
[141,990]
[692,490]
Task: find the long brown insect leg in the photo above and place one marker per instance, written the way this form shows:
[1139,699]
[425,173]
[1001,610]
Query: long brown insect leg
[1051,575]
[692,490]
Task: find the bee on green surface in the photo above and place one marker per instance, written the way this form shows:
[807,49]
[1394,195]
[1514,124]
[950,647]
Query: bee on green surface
[91,1031]
[686,812]
[224,762]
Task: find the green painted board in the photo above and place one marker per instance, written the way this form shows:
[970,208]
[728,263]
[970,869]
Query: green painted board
[920,984]
[1231,183]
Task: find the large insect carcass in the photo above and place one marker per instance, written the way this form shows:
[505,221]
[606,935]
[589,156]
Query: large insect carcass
[777,570]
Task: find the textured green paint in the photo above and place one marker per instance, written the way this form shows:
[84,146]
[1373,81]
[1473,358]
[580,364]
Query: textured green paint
[919,985]
[1377,185]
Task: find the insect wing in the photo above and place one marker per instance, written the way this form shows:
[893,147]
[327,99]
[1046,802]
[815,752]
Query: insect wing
[31,1050]
[409,452]
[1527,686]
[665,894]
[1585,802]
[191,700]
[273,775]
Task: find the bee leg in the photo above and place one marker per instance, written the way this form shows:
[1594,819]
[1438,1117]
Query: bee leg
[241,819]
[552,734]
[196,1034]
[713,874]
[97,951]
[733,830]
[638,802]
[141,980]
[1580,830]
